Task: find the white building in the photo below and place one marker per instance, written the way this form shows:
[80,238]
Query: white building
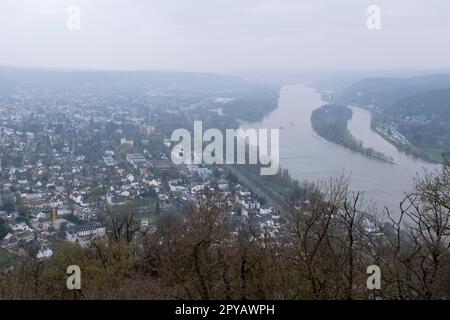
[85,233]
[136,159]
[44,253]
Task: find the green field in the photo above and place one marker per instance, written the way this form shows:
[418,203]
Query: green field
[435,153]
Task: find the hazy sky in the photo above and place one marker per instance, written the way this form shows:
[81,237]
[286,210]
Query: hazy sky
[225,35]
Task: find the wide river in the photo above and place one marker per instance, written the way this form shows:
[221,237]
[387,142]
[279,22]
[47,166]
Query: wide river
[308,157]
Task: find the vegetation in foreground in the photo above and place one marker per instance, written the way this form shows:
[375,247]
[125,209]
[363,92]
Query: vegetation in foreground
[206,255]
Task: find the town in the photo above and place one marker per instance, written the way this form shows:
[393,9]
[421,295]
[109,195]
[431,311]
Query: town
[68,162]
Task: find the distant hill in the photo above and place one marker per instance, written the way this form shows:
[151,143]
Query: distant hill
[336,83]
[416,107]
[116,80]
[382,92]
[430,104]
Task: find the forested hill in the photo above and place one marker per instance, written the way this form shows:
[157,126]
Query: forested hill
[430,104]
[416,108]
[382,92]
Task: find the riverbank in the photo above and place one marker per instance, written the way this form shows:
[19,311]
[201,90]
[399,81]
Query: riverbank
[392,136]
[310,159]
[385,130]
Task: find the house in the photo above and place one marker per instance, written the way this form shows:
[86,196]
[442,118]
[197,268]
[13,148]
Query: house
[370,226]
[39,215]
[85,233]
[127,142]
[24,235]
[115,200]
[149,130]
[78,199]
[265,222]
[266,210]
[222,184]
[130,178]
[21,227]
[125,194]
[197,188]
[154,183]
[167,142]
[32,199]
[44,253]
[136,159]
[109,160]
[63,210]
[250,204]
[85,214]
[23,182]
[9,240]
[192,168]
[164,202]
[244,193]
[144,223]
[176,186]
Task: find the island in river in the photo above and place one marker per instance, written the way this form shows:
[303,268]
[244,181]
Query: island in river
[330,122]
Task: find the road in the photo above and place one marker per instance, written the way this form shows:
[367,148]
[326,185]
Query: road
[273,198]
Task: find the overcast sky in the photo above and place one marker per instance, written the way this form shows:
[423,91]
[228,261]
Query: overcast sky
[225,35]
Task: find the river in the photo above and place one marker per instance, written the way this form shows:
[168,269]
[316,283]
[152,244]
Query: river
[308,157]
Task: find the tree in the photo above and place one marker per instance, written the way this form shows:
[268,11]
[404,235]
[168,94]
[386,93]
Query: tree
[322,252]
[8,204]
[157,206]
[420,251]
[3,228]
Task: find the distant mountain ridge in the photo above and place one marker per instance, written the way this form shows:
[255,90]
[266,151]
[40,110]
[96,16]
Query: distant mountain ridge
[382,92]
[336,83]
[434,103]
[115,80]
[416,107]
